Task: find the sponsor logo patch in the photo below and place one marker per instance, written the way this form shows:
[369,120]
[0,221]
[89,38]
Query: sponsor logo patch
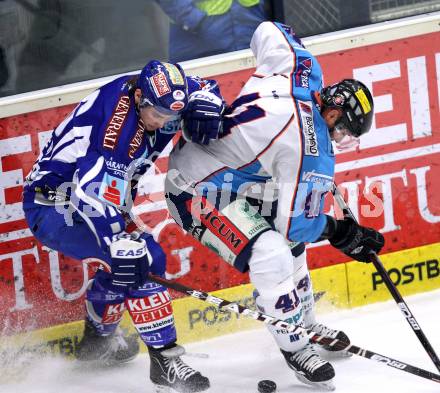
[116,168]
[303,71]
[177,106]
[113,313]
[170,127]
[218,224]
[116,122]
[339,99]
[178,95]
[196,231]
[175,75]
[308,129]
[314,177]
[160,84]
[212,315]
[151,312]
[366,107]
[421,271]
[136,141]
[113,190]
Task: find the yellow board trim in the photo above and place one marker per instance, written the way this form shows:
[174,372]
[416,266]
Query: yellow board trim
[413,271]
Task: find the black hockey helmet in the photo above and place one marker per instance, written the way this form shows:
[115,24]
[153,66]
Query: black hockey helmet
[356,102]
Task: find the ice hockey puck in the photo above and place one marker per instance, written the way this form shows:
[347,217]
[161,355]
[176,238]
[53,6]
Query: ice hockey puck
[267,386]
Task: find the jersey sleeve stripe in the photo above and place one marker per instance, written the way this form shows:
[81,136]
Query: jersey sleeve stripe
[296,113]
[211,174]
[292,203]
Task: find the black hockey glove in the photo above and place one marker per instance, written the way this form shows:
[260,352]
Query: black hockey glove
[130,262]
[353,240]
[202,119]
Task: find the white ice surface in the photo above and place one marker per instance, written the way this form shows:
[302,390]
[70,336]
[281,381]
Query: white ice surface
[237,362]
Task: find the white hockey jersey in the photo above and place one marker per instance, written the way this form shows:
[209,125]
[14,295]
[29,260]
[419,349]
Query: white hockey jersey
[274,134]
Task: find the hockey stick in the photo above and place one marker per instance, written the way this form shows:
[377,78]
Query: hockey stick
[391,287]
[314,337]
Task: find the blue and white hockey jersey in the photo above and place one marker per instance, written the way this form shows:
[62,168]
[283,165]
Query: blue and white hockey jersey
[97,154]
[275,136]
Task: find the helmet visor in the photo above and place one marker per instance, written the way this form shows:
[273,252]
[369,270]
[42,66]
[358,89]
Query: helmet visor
[170,114]
[343,138]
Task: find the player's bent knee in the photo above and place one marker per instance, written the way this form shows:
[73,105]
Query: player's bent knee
[271,265]
[104,307]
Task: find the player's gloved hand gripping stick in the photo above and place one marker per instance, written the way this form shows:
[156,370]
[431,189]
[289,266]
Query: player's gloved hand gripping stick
[390,285]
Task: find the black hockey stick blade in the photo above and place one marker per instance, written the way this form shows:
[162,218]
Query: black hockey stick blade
[314,337]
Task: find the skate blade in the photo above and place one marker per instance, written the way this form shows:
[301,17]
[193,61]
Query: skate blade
[167,389]
[197,355]
[324,385]
[101,364]
[163,389]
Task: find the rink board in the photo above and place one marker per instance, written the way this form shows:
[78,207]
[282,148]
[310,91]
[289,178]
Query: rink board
[42,291]
[412,271]
[341,286]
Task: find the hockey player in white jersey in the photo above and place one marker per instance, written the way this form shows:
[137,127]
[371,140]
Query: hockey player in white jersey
[276,145]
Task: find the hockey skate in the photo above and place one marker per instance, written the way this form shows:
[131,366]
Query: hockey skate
[310,368]
[170,374]
[106,350]
[332,333]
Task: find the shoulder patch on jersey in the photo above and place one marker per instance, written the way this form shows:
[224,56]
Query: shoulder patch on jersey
[302,72]
[308,129]
[116,122]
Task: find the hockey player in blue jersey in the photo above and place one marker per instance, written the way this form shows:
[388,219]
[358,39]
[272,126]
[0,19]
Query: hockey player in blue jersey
[77,199]
[256,194]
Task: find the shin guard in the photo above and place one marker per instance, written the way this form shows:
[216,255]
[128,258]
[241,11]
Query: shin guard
[104,307]
[151,311]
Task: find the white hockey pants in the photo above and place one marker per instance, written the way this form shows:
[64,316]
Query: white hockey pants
[284,289]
